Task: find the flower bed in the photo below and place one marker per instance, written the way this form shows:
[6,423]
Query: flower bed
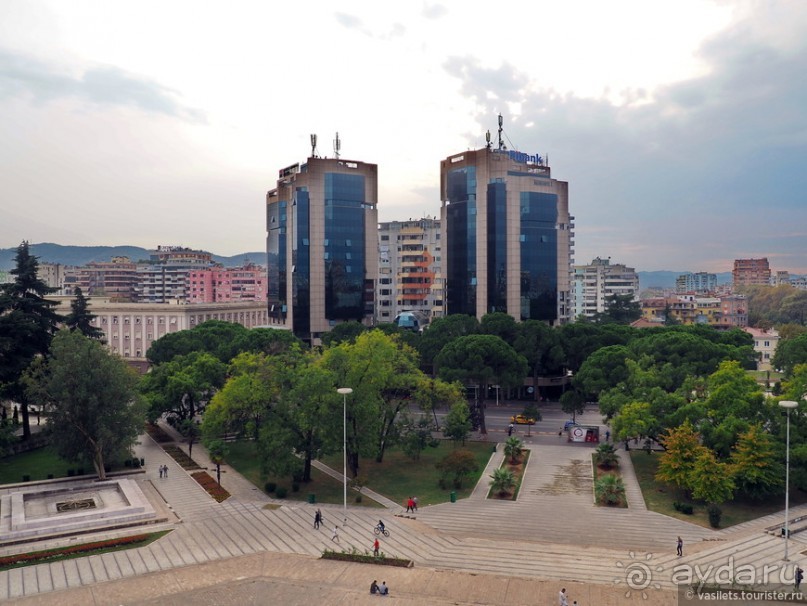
[158,433]
[207,482]
[61,553]
[176,453]
[518,470]
[366,558]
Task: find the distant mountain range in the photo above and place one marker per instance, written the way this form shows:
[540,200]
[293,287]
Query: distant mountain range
[81,255]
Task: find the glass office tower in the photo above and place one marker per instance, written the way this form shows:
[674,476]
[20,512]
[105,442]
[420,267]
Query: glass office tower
[507,236]
[322,252]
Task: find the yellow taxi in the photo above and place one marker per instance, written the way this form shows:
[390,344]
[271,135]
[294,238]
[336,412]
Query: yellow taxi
[522,420]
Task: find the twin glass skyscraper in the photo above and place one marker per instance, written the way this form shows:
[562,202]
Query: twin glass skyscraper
[322,252]
[507,236]
[505,228]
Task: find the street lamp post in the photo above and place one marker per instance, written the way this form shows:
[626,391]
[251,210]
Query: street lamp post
[344,391]
[787,405]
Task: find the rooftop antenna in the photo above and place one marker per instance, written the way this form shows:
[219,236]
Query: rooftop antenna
[313,146]
[501,143]
[337,146]
[487,139]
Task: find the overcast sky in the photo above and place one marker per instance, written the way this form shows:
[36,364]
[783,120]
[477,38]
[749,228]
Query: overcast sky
[681,126]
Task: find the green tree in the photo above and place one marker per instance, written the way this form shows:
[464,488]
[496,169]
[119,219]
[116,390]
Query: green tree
[634,420]
[306,420]
[710,479]
[500,324]
[513,447]
[416,436]
[540,345]
[93,406]
[681,450]
[252,388]
[484,360]
[456,467]
[573,402]
[756,468]
[602,370]
[384,376]
[502,481]
[790,353]
[440,333]
[619,309]
[27,325]
[457,424]
[432,394]
[80,318]
[344,332]
[183,386]
[191,431]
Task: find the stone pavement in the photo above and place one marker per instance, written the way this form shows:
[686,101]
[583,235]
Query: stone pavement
[553,533]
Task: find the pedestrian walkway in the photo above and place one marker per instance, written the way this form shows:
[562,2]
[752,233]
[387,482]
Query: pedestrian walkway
[552,532]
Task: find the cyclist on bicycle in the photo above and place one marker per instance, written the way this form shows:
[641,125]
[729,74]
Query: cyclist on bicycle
[380,526]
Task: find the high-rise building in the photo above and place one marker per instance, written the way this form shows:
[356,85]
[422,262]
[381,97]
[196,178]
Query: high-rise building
[227,284]
[507,236]
[751,272]
[322,245]
[699,283]
[596,282]
[409,274]
[116,279]
[165,278]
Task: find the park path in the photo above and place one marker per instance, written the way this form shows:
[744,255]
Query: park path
[553,531]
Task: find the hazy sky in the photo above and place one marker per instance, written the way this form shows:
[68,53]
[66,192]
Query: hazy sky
[681,126]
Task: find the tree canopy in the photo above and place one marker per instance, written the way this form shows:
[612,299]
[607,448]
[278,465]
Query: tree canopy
[93,406]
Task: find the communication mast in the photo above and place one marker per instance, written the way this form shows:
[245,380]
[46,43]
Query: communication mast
[337,146]
[313,146]
[501,143]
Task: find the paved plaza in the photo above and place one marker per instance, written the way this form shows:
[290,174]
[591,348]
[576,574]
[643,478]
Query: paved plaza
[472,551]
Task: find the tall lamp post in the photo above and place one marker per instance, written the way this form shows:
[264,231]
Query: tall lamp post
[345,391]
[787,405]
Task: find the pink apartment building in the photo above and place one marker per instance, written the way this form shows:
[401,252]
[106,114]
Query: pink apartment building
[224,285]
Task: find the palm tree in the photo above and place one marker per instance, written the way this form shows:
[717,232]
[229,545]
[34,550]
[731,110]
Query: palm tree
[609,490]
[606,456]
[513,448]
[503,480]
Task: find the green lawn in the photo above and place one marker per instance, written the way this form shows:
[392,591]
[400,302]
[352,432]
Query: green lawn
[660,497]
[37,464]
[397,478]
[243,456]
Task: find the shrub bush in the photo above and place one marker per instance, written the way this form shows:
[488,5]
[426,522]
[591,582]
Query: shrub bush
[269,487]
[71,473]
[684,508]
[358,498]
[280,492]
[295,486]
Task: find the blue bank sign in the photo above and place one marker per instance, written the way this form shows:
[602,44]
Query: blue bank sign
[521,157]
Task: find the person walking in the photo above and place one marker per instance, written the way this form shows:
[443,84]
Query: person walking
[680,548]
[317,519]
[414,503]
[408,504]
[510,430]
[799,577]
[376,547]
[335,536]
[562,599]
[161,471]
[165,471]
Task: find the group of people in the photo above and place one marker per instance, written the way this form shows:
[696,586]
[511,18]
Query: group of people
[377,589]
[412,504]
[163,471]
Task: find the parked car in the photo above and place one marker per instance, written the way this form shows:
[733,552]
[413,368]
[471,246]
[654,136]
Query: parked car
[522,420]
[568,424]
